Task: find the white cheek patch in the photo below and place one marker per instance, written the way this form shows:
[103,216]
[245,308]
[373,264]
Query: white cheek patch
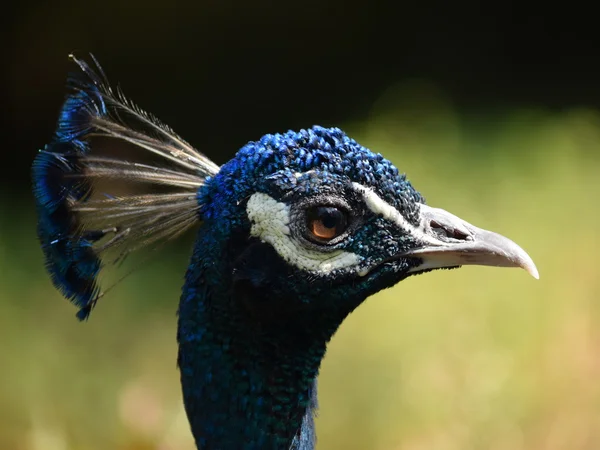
[379,206]
[270,223]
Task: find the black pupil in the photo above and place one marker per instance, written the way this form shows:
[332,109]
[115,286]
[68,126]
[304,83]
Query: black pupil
[330,217]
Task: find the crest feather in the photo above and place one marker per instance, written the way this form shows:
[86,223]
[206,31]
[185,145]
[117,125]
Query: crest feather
[94,210]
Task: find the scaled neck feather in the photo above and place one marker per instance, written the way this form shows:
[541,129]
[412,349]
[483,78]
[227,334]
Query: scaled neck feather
[248,366]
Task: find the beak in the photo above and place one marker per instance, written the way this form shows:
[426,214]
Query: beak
[450,241]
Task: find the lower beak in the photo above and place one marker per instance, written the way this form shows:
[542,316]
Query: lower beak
[450,241]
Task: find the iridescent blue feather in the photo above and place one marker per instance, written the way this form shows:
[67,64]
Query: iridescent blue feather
[78,223]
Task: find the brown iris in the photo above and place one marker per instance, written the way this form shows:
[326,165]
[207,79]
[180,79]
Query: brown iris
[326,222]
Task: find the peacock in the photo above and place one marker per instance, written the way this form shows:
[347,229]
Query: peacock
[293,233]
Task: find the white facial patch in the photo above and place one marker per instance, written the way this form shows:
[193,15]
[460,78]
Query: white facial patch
[379,206]
[270,223]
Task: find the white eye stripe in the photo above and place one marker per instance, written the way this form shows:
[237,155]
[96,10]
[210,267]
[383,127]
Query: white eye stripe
[270,223]
[379,206]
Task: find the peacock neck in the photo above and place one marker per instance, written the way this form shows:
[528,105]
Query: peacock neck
[248,374]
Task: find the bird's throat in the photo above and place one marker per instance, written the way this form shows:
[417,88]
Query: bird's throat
[248,380]
[244,391]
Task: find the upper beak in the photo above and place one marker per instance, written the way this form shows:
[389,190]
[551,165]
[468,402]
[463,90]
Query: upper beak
[450,241]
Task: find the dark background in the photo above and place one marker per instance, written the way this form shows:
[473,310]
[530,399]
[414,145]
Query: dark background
[225,72]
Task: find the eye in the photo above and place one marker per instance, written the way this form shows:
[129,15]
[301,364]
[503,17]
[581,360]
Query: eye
[325,223]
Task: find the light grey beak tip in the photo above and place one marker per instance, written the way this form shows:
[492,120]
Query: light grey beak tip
[528,264]
[514,255]
[534,273]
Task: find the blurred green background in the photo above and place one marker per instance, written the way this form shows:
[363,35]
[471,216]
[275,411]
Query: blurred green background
[478,358]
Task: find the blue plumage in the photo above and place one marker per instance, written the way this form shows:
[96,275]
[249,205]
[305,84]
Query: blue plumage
[76,230]
[294,233]
[71,262]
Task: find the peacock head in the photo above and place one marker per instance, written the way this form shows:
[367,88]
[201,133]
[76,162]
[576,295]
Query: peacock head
[324,220]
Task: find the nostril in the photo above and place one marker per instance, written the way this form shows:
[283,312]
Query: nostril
[446,231]
[457,234]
